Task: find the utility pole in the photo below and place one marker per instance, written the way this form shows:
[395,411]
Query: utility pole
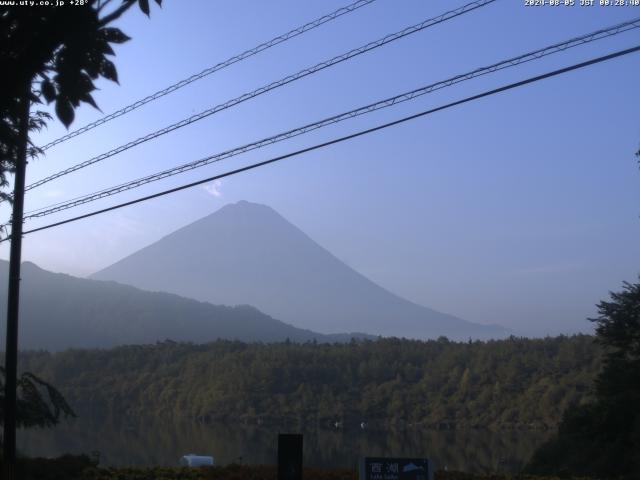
[13,296]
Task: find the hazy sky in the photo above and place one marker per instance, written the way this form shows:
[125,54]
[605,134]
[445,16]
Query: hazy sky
[520,209]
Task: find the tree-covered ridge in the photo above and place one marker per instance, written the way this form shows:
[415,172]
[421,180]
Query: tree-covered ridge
[602,437]
[96,314]
[513,383]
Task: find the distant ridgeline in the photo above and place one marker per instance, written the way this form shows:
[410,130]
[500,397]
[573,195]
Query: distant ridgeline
[513,383]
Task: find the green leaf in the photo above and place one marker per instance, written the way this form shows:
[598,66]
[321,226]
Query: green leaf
[108,70]
[34,98]
[48,90]
[89,99]
[103,47]
[144,6]
[114,35]
[64,111]
[84,83]
[92,64]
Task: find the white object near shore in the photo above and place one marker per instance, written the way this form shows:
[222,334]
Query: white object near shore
[193,460]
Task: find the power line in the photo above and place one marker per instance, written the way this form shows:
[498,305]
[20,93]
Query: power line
[388,102]
[345,138]
[217,67]
[264,89]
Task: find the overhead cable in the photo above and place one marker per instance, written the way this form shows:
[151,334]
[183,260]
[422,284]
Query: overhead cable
[267,88]
[342,139]
[212,69]
[381,104]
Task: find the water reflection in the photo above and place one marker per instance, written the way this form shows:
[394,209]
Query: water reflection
[156,442]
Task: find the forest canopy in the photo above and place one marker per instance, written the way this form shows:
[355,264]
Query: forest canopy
[513,383]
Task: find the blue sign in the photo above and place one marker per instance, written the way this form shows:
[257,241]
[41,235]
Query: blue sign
[382,468]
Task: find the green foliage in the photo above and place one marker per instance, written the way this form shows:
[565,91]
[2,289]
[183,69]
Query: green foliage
[67,467]
[83,468]
[236,472]
[39,403]
[53,55]
[603,437]
[513,383]
[470,476]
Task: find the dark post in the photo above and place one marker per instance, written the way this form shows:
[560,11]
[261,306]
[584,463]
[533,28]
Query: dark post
[289,457]
[13,296]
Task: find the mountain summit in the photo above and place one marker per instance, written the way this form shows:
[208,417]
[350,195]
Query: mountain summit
[246,253]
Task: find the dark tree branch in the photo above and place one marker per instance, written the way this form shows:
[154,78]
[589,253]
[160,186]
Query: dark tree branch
[117,13]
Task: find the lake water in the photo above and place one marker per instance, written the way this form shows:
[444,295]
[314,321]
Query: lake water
[157,442]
